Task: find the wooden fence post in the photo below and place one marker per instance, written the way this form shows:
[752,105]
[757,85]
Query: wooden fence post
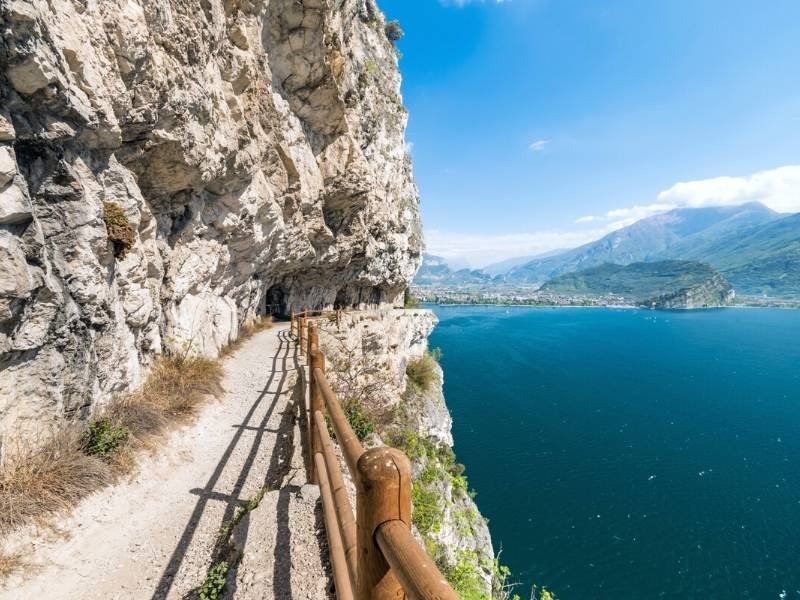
[315,403]
[384,494]
[312,338]
[302,333]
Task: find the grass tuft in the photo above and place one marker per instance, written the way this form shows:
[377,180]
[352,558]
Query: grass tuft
[423,372]
[10,563]
[47,476]
[361,420]
[174,391]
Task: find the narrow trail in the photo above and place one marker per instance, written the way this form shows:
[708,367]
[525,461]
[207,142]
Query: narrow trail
[155,537]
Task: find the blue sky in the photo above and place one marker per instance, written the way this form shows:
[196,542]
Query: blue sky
[539,124]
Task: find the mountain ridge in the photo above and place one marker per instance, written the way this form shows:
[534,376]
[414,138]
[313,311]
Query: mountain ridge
[649,239]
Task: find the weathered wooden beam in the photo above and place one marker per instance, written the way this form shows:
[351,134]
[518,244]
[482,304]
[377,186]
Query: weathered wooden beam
[344,510]
[384,494]
[341,578]
[418,574]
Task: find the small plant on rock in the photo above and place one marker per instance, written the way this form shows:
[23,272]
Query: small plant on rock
[214,584]
[120,232]
[361,421]
[102,438]
[410,301]
[422,372]
[393,31]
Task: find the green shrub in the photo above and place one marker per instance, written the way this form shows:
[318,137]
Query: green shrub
[410,300]
[120,232]
[465,577]
[361,421]
[102,438]
[422,372]
[215,582]
[393,31]
[427,515]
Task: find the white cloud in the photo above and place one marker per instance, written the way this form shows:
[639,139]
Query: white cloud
[778,189]
[478,250]
[538,145]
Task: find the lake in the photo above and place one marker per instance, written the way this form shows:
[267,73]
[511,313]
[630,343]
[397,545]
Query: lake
[632,453]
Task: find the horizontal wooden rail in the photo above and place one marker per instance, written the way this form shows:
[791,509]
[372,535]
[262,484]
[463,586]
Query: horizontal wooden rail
[374,556]
[344,511]
[416,571]
[351,447]
[341,576]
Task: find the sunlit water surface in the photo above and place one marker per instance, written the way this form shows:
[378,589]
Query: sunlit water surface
[632,454]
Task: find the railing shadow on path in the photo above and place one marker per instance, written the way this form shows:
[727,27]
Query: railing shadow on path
[275,478]
[278,467]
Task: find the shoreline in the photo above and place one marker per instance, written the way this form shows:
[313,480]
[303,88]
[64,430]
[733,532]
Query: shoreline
[609,306]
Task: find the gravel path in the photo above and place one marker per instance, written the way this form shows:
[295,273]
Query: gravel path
[156,536]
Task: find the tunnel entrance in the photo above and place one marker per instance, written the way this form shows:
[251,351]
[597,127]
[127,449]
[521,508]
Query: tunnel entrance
[275,301]
[341,300]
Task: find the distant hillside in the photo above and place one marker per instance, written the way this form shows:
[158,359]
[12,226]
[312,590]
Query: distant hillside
[668,235]
[666,284]
[435,271]
[758,260]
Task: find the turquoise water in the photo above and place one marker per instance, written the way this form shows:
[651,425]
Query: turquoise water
[632,454]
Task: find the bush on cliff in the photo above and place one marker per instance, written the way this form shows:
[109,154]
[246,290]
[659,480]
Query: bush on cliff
[410,301]
[120,232]
[423,372]
[394,33]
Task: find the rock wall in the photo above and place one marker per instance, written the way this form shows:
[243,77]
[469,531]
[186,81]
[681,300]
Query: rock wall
[255,147]
[367,354]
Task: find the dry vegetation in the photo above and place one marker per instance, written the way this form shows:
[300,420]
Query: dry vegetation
[44,477]
[9,563]
[423,372]
[176,388]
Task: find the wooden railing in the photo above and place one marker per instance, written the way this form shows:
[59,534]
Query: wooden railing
[374,555]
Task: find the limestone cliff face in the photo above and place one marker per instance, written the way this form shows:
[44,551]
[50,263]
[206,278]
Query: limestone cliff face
[256,148]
